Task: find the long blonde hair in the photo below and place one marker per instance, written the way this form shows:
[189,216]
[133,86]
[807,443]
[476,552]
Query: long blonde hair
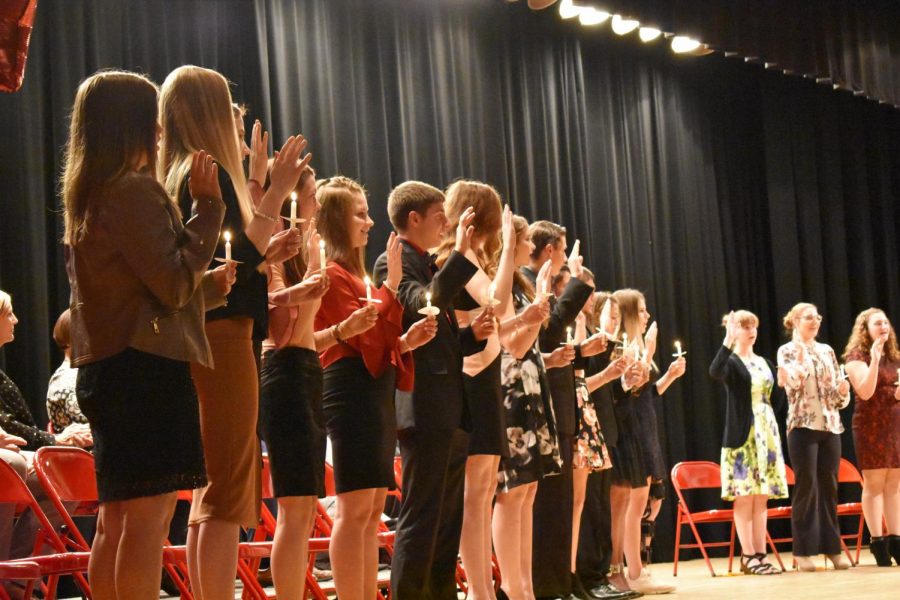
[113,126]
[197,114]
[629,301]
[861,340]
[336,195]
[485,200]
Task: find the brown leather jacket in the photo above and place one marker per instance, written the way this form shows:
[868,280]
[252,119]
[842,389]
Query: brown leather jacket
[136,275]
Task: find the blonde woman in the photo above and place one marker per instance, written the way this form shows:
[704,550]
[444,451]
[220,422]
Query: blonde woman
[752,464]
[873,365]
[810,374]
[196,112]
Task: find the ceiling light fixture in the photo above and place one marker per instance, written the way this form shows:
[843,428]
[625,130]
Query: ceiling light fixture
[568,9]
[682,44]
[591,16]
[648,34]
[622,26]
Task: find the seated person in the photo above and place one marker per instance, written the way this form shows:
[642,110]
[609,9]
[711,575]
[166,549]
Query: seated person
[62,405]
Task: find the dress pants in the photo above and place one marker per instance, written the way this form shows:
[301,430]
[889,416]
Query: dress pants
[815,458]
[552,530]
[430,521]
[595,535]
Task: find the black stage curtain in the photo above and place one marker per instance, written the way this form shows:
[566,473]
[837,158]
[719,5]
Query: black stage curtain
[853,43]
[705,182]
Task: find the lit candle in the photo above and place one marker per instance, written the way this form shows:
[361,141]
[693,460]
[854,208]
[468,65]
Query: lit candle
[492,291]
[428,300]
[678,348]
[227,236]
[624,340]
[321,254]
[293,209]
[368,289]
[569,339]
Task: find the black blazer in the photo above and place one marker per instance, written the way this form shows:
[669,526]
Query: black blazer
[437,401]
[728,368]
[562,380]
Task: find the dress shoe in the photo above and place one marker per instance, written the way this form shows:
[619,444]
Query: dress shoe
[879,549]
[805,563]
[894,546]
[645,584]
[607,591]
[839,561]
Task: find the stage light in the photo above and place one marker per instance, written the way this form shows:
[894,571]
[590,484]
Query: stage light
[622,26]
[648,34]
[683,44]
[591,16]
[568,9]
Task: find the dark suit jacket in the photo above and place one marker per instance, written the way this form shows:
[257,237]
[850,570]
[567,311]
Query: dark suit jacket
[728,368]
[562,380]
[437,401]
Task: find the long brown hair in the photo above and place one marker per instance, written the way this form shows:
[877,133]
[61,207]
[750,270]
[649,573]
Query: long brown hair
[295,268]
[520,224]
[196,113]
[485,200]
[113,126]
[861,340]
[600,300]
[336,195]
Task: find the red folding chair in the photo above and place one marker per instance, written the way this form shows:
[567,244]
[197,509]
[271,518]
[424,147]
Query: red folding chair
[68,476]
[781,512]
[693,475]
[14,491]
[847,473]
[29,571]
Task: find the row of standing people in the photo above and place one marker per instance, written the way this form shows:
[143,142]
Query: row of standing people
[167,350]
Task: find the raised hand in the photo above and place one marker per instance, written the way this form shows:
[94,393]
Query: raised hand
[650,340]
[203,182]
[312,247]
[877,350]
[288,166]
[465,231]
[394,261]
[484,324]
[543,278]
[284,245]
[420,333]
[507,229]
[730,330]
[575,260]
[259,153]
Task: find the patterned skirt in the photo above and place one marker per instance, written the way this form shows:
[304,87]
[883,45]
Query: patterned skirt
[590,448]
[757,467]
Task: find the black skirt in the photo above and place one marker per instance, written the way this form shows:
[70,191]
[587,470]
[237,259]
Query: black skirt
[484,397]
[291,421]
[629,465]
[360,419]
[145,420]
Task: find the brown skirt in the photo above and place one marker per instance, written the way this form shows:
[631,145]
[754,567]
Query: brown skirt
[229,401]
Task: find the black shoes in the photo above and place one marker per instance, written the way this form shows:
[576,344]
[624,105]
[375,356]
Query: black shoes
[879,548]
[607,591]
[893,543]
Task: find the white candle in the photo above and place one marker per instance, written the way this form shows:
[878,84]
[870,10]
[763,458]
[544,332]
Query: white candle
[321,254]
[428,300]
[678,348]
[624,341]
[227,236]
[492,291]
[368,289]
[293,209]
[569,339]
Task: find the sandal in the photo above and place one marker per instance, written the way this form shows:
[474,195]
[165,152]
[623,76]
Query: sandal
[765,567]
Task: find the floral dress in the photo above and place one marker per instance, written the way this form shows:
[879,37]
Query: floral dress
[590,447]
[757,467]
[530,424]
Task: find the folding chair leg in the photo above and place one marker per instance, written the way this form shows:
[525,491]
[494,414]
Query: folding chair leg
[678,525]
[731,548]
[700,544]
[859,536]
[775,551]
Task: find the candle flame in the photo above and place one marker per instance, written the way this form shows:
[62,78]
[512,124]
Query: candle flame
[367,280]
[227,236]
[427,296]
[322,247]
[293,196]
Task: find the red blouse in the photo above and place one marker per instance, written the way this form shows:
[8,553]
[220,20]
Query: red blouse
[378,346]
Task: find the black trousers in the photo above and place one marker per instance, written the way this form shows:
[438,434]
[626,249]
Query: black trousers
[815,458]
[430,521]
[552,529]
[595,535]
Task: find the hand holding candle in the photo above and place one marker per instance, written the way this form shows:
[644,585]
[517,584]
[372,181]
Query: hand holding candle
[293,209]
[429,309]
[678,351]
